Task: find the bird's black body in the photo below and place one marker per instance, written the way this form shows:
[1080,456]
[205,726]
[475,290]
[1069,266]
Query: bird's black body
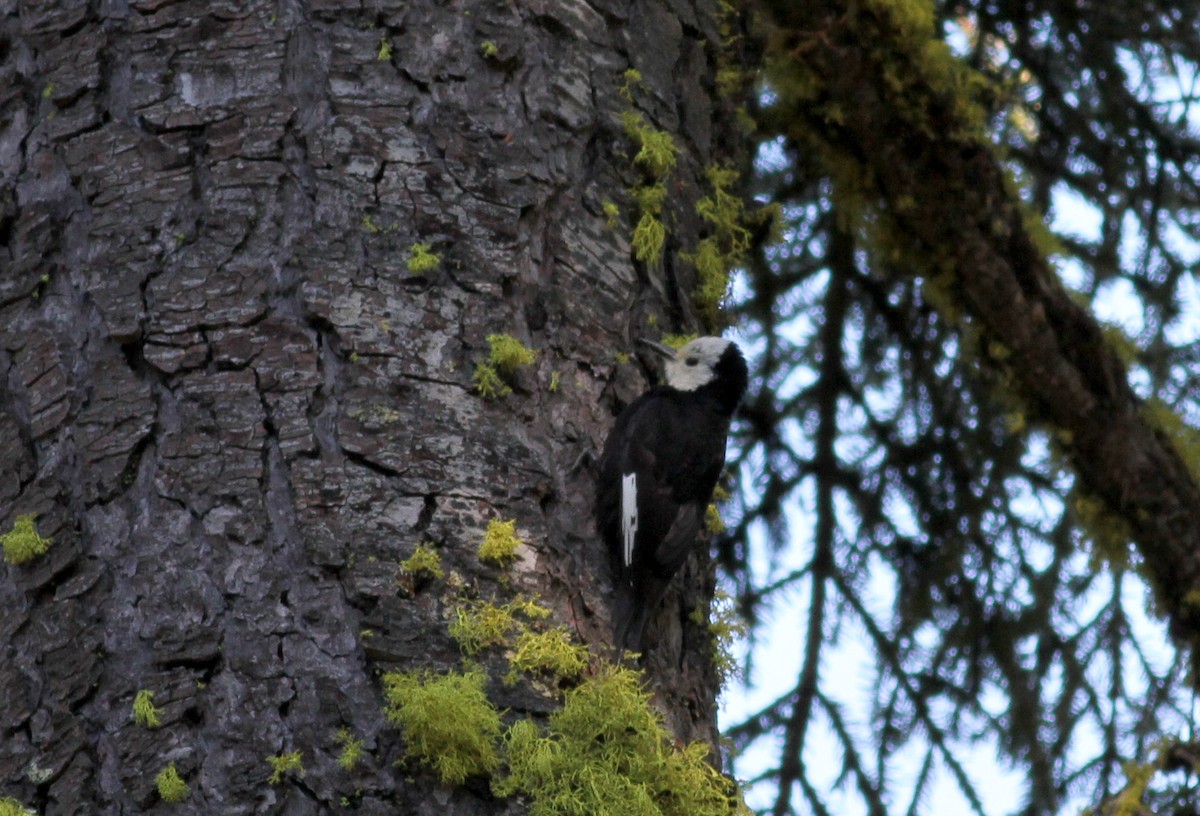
[671,441]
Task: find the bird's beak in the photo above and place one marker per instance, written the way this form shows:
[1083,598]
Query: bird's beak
[665,351]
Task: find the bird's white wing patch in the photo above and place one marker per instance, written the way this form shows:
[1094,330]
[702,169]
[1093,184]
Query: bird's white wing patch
[629,514]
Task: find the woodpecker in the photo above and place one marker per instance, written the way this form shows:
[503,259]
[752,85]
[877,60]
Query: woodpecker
[657,473]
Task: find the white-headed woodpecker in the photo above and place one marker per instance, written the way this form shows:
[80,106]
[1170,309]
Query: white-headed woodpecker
[657,474]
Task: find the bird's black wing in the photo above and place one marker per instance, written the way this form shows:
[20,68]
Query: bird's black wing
[675,449]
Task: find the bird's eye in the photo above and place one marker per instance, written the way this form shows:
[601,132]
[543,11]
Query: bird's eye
[692,361]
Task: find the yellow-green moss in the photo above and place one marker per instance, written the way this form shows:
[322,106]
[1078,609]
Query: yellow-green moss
[506,357]
[657,152]
[1109,532]
[422,260]
[352,749]
[447,720]
[500,542]
[145,713]
[489,384]
[712,514]
[629,80]
[282,764]
[1128,802]
[12,807]
[606,751]
[370,226]
[489,49]
[555,379]
[385,49]
[551,652]
[612,213]
[480,624]
[508,354]
[727,245]
[171,786]
[649,234]
[22,543]
[677,341]
[424,561]
[727,628]
[1184,438]
[713,522]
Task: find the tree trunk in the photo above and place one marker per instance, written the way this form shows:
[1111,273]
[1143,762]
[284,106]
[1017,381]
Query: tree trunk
[237,391]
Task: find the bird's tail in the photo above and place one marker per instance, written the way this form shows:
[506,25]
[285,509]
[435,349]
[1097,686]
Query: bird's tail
[633,604]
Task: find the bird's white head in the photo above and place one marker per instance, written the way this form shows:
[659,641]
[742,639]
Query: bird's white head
[695,364]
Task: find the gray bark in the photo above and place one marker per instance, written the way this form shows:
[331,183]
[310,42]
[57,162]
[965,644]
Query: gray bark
[235,410]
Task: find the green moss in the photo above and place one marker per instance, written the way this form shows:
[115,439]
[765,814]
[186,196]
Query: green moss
[550,652]
[11,807]
[352,749]
[1185,439]
[500,542]
[631,79]
[422,260]
[171,786]
[612,213]
[649,234]
[480,624]
[424,561]
[489,49]
[385,49]
[554,382]
[507,356]
[1129,801]
[22,543]
[677,341]
[713,522]
[727,628]
[447,720]
[370,226]
[1109,532]
[657,153]
[283,764]
[712,514]
[606,751]
[145,713]
[726,247]
[489,384]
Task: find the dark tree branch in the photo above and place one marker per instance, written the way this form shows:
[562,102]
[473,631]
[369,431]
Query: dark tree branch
[951,206]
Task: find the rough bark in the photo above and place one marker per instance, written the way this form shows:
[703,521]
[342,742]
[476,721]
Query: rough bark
[946,194]
[235,410]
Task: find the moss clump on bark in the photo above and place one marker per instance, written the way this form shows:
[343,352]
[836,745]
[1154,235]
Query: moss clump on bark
[145,713]
[284,764]
[11,807]
[22,543]
[549,652]
[352,749]
[421,259]
[500,542]
[171,786]
[493,377]
[424,561]
[448,722]
[606,751]
[481,624]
